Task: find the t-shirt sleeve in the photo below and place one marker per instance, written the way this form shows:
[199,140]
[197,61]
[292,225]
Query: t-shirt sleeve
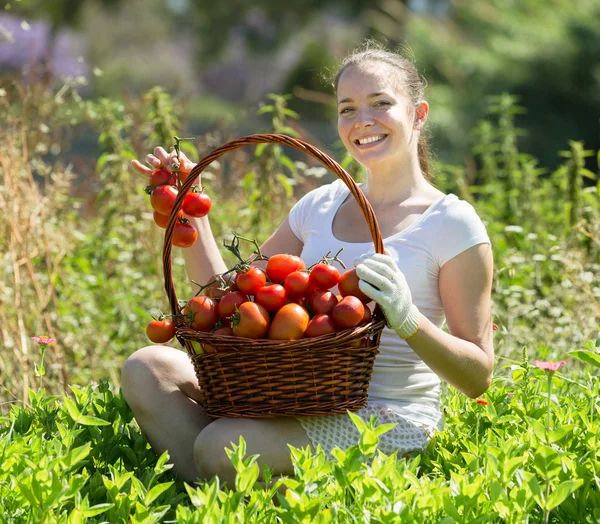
[462,229]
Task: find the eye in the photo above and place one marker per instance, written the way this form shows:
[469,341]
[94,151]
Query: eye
[382,103]
[346,110]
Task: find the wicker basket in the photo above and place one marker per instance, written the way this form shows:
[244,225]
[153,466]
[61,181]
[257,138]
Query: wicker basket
[241,377]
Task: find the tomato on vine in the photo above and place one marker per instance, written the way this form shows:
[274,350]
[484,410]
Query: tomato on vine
[324,276]
[281,265]
[272,297]
[251,281]
[184,234]
[162,220]
[162,176]
[196,204]
[163,198]
[296,285]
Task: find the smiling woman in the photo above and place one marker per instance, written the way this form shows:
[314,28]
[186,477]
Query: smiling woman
[437,268]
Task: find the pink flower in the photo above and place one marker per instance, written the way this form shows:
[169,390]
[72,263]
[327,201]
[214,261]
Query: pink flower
[549,366]
[494,327]
[43,340]
[482,401]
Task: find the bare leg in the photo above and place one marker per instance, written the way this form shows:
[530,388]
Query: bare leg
[160,386]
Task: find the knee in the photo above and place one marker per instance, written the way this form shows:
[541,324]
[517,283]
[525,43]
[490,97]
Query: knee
[210,457]
[142,369]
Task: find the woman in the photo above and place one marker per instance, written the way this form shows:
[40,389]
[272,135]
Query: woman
[437,267]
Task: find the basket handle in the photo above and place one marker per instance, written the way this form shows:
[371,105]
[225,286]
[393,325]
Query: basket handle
[258,139]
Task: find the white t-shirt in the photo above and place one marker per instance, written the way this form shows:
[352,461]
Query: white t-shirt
[400,379]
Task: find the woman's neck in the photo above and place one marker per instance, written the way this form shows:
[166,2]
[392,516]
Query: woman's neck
[393,184]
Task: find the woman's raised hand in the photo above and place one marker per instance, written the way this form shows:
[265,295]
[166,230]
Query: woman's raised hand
[162,159]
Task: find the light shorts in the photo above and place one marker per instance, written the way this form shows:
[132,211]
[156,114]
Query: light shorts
[339,431]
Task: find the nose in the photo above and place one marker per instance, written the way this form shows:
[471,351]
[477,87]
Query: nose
[363,119]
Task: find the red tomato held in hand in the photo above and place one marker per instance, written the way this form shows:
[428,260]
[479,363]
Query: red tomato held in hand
[251,321]
[296,285]
[348,312]
[184,234]
[320,325]
[196,204]
[163,198]
[162,220]
[228,304]
[321,301]
[280,266]
[205,312]
[324,276]
[348,285]
[289,323]
[162,176]
[272,297]
[251,281]
[160,331]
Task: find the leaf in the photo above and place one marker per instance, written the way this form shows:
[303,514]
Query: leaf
[76,455]
[72,409]
[589,357]
[86,420]
[96,510]
[563,490]
[265,109]
[155,492]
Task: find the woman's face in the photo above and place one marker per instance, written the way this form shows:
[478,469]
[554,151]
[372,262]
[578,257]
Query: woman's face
[375,120]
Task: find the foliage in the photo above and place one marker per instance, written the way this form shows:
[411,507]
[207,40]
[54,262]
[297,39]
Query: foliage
[81,458]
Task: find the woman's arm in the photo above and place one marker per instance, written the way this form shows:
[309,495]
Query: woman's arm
[464,357]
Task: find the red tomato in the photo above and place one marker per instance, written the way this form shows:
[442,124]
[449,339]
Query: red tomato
[348,312]
[320,325]
[160,331]
[184,234]
[251,281]
[324,276]
[162,176]
[296,284]
[280,266]
[289,323]
[271,297]
[251,321]
[162,220]
[228,304]
[163,198]
[321,301]
[348,285]
[225,330]
[367,316]
[196,204]
[205,312]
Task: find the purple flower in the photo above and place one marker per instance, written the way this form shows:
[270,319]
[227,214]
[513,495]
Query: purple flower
[549,366]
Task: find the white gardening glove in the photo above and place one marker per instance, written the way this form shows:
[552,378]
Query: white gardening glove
[383,282]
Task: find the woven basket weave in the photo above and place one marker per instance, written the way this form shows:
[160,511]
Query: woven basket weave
[242,377]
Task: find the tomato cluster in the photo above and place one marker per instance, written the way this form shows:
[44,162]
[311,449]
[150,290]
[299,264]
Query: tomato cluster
[286,301]
[163,192]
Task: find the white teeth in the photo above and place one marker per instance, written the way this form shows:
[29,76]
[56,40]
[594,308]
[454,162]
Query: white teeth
[371,139]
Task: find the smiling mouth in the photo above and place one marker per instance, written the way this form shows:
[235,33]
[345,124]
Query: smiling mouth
[375,139]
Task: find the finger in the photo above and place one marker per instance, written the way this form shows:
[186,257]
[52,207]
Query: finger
[140,168]
[372,292]
[162,155]
[362,258]
[367,274]
[186,164]
[153,161]
[379,268]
